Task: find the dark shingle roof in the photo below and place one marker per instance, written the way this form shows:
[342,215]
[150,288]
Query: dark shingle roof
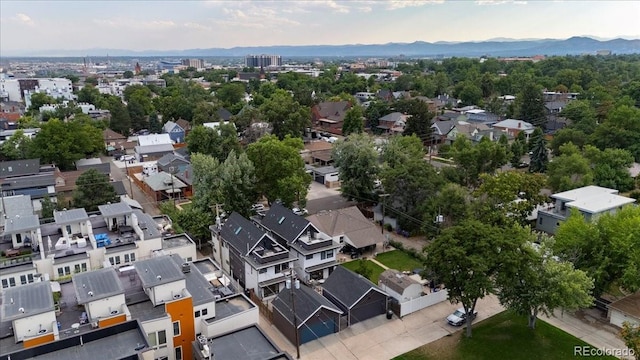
[118,186]
[284,222]
[224,114]
[19,167]
[96,285]
[347,286]
[307,303]
[241,233]
[104,168]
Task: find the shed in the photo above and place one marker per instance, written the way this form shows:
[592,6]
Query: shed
[399,286]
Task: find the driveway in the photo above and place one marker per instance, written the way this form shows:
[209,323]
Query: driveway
[382,339]
[322,198]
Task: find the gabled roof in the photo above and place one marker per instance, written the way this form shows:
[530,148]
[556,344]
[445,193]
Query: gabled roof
[20,205]
[157,271]
[394,117]
[110,135]
[284,222]
[357,229]
[167,159]
[514,124]
[19,168]
[396,281]
[240,233]
[443,127]
[224,114]
[118,186]
[186,174]
[308,302]
[170,126]
[333,110]
[184,124]
[163,181]
[70,216]
[154,139]
[26,300]
[154,149]
[96,284]
[348,287]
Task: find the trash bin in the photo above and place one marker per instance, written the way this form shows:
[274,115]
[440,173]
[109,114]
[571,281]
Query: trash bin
[389,314]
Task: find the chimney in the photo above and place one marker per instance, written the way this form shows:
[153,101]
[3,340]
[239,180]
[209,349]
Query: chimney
[519,124]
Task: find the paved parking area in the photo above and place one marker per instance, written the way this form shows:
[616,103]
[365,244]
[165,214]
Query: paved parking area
[380,338]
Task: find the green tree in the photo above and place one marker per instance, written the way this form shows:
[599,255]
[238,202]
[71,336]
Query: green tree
[630,334]
[570,170]
[465,259]
[539,155]
[518,148]
[621,130]
[279,169]
[230,94]
[17,147]
[581,115]
[472,160]
[127,74]
[89,94]
[218,143]
[375,111]
[286,115]
[419,121]
[48,207]
[238,181]
[205,112]
[353,121]
[530,105]
[93,189]
[470,94]
[567,135]
[357,161]
[611,167]
[38,99]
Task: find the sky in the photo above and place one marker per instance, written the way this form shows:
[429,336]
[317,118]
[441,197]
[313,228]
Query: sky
[27,25]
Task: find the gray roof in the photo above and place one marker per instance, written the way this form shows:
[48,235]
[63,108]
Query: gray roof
[26,300]
[19,168]
[91,161]
[249,343]
[348,287]
[308,302]
[17,205]
[396,280]
[284,222]
[197,284]
[167,159]
[117,209]
[241,233]
[224,114]
[153,149]
[29,181]
[118,186]
[443,127]
[157,271]
[169,125]
[162,181]
[150,228]
[21,224]
[394,116]
[70,216]
[96,285]
[104,168]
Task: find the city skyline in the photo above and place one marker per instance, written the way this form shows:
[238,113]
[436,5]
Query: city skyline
[31,26]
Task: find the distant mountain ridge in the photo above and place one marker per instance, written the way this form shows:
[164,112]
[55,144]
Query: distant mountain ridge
[503,48]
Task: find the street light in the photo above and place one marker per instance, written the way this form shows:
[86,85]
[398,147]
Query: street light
[296,284]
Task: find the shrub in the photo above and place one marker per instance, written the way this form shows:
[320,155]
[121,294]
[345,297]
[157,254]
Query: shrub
[388,227]
[363,269]
[635,194]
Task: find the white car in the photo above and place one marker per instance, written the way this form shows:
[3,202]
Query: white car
[298,211]
[459,317]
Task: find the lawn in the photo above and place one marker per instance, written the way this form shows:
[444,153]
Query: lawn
[374,269]
[185,206]
[503,336]
[399,260]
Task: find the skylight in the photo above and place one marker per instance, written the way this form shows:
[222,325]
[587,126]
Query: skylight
[238,230]
[281,220]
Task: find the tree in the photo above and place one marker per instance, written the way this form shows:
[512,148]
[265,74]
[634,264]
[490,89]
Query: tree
[48,207]
[518,148]
[93,189]
[280,170]
[17,147]
[530,105]
[419,121]
[238,183]
[611,167]
[570,170]
[203,113]
[472,160]
[465,258]
[621,130]
[286,115]
[630,333]
[566,135]
[375,111]
[217,142]
[533,282]
[353,121]
[539,155]
[63,143]
[128,74]
[230,94]
[357,161]
[581,115]
[89,94]
[38,99]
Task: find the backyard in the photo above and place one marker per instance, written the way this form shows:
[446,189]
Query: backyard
[503,336]
[399,260]
[366,268]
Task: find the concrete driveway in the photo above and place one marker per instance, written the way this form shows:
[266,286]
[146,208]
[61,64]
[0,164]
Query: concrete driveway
[322,198]
[382,339]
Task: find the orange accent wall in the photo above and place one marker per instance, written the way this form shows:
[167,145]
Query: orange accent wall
[112,321]
[182,310]
[38,340]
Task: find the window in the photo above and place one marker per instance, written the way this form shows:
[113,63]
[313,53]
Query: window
[309,257]
[262,271]
[158,340]
[326,254]
[5,283]
[176,328]
[60,272]
[197,314]
[23,279]
[117,260]
[540,220]
[133,257]
[30,278]
[179,353]
[126,258]
[205,312]
[12,282]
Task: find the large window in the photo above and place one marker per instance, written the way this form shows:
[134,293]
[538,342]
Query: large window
[158,339]
[326,254]
[270,290]
[64,270]
[179,353]
[176,328]
[80,268]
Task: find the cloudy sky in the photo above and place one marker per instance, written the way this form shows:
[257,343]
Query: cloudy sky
[167,25]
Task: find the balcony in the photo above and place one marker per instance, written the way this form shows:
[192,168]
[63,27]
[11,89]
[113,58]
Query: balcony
[264,255]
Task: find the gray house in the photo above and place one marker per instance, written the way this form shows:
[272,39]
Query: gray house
[355,295]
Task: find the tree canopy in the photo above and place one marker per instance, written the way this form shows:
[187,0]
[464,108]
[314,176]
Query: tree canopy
[93,189]
[357,161]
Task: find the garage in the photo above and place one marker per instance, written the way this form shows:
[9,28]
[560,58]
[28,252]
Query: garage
[625,309]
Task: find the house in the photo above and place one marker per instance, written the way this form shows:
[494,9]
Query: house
[329,115]
[355,295]
[317,151]
[101,294]
[27,177]
[468,130]
[152,152]
[154,139]
[175,132]
[30,311]
[399,286]
[441,130]
[625,309]
[251,256]
[244,343]
[172,163]
[185,125]
[513,127]
[315,316]
[224,114]
[326,175]
[185,174]
[113,141]
[15,206]
[445,101]
[592,201]
[315,252]
[162,186]
[393,123]
[385,95]
[348,226]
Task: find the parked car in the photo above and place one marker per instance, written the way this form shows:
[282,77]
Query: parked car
[301,212]
[128,158]
[459,317]
[523,165]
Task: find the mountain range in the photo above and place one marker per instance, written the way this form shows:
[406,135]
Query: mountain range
[501,47]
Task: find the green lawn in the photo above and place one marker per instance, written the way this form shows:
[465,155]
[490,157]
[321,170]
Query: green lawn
[399,260]
[503,336]
[375,270]
[186,206]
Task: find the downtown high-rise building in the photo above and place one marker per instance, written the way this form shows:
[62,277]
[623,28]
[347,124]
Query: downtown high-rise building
[259,61]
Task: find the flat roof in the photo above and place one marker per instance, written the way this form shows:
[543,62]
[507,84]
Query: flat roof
[157,271]
[97,284]
[117,209]
[599,203]
[144,311]
[249,343]
[26,300]
[70,216]
[232,305]
[22,223]
[583,192]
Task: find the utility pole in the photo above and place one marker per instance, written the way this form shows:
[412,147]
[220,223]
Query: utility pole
[383,196]
[126,167]
[173,194]
[290,286]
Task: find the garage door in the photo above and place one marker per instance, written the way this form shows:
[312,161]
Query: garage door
[617,318]
[368,308]
[311,331]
